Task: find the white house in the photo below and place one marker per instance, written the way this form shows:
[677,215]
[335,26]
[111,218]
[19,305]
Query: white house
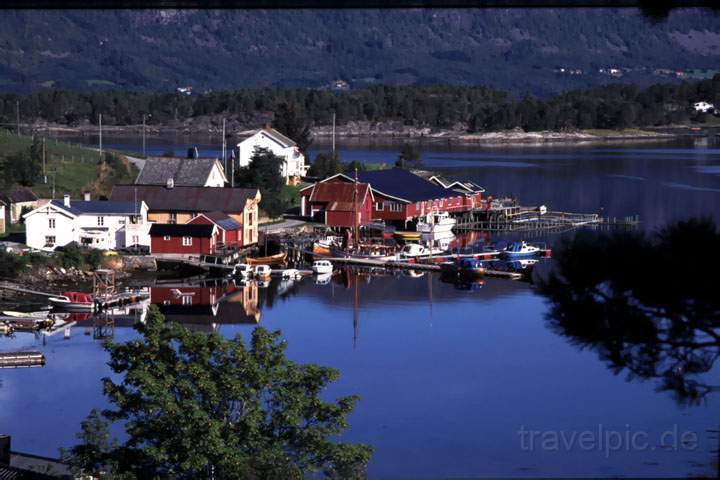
[704,107]
[294,162]
[95,224]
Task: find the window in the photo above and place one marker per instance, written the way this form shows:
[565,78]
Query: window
[187,300]
[134,219]
[101,221]
[49,241]
[187,241]
[379,206]
[173,217]
[51,223]
[166,238]
[135,240]
[417,206]
[250,219]
[394,207]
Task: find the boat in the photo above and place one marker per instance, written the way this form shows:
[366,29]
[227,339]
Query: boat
[42,315]
[436,222]
[520,249]
[406,236]
[470,268]
[291,273]
[262,271]
[323,279]
[322,267]
[73,302]
[277,259]
[415,250]
[242,270]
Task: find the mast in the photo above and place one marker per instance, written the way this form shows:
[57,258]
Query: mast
[224,147]
[333,135]
[356,220]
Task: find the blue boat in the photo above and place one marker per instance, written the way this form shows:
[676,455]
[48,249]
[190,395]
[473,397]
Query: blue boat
[521,249]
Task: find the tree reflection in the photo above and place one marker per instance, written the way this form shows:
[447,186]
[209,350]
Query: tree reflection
[648,304]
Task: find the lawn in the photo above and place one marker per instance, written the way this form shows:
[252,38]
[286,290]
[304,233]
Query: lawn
[76,169]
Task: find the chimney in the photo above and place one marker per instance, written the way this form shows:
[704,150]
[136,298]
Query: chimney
[66,200]
[170,183]
[86,196]
[4,449]
[268,126]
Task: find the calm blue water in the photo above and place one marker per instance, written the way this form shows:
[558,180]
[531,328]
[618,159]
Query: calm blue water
[448,377]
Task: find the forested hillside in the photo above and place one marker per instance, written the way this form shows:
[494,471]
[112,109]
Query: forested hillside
[475,109]
[540,51]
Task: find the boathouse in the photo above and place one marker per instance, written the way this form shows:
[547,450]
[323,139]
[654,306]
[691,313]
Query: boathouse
[178,241]
[179,205]
[400,196]
[229,232]
[335,203]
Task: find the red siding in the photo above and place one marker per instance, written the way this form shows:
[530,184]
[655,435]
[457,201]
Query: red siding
[230,238]
[200,245]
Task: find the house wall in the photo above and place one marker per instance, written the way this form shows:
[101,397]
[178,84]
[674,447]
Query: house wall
[200,245]
[294,164]
[37,227]
[2,218]
[159,216]
[16,210]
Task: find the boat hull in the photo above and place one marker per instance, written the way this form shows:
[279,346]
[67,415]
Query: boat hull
[277,259]
[63,305]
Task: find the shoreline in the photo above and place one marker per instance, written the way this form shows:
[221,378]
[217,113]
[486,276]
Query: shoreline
[499,138]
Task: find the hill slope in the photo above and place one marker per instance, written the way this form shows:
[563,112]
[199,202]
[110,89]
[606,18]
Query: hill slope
[517,50]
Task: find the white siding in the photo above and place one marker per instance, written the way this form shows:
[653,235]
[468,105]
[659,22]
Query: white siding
[294,164]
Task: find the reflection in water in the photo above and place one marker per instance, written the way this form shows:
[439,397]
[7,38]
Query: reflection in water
[649,305]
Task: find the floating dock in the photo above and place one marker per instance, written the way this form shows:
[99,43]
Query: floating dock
[21,359]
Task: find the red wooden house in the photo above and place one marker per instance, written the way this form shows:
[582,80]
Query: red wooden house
[175,240]
[335,203]
[399,195]
[229,232]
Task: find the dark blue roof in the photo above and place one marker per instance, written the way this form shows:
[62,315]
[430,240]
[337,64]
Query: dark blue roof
[229,224]
[403,184]
[78,207]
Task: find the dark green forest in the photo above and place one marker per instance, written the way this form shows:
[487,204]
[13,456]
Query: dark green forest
[476,109]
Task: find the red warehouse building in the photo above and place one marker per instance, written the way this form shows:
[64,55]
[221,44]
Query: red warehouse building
[173,240]
[335,203]
[399,195]
[229,233]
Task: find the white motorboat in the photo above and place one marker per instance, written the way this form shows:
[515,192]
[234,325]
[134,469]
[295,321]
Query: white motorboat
[520,249]
[242,270]
[323,279]
[415,250]
[262,271]
[322,267]
[436,222]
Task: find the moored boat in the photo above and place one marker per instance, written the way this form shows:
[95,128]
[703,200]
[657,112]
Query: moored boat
[73,302]
[520,249]
[408,236]
[262,271]
[277,259]
[322,267]
[436,222]
[242,270]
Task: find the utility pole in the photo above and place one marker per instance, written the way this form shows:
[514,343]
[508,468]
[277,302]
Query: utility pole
[53,185]
[355,212]
[333,135]
[44,173]
[100,123]
[17,114]
[143,135]
[224,147]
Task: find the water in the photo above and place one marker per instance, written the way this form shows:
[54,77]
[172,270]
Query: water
[449,377]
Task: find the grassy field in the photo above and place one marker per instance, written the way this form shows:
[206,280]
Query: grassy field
[76,169]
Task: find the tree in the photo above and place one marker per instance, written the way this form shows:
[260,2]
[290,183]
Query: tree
[289,121]
[409,157]
[192,153]
[264,173]
[198,405]
[22,168]
[325,165]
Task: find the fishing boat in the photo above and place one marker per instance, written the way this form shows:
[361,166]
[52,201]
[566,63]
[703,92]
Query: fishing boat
[277,259]
[73,302]
[322,267]
[520,249]
[262,271]
[436,222]
[415,250]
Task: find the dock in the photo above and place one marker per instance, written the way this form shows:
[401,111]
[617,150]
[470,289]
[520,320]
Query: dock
[21,359]
[524,219]
[428,267]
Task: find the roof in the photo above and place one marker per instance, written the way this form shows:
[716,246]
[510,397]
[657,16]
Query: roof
[222,220]
[339,196]
[187,199]
[96,207]
[188,172]
[19,195]
[181,230]
[275,135]
[467,186]
[403,185]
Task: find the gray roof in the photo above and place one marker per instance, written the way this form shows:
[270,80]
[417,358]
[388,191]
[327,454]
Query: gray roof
[99,207]
[185,172]
[277,136]
[186,199]
[19,195]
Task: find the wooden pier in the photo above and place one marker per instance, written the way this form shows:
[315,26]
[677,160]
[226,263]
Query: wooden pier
[429,267]
[21,359]
[529,219]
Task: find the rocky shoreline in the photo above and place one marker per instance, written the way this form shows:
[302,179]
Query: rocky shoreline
[370,130]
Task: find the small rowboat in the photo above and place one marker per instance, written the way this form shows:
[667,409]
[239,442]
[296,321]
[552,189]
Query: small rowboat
[408,236]
[277,259]
[73,302]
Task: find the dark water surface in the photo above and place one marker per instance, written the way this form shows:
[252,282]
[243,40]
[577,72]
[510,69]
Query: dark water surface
[450,378]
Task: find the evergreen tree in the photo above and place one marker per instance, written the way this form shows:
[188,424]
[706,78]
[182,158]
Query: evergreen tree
[290,122]
[409,157]
[264,173]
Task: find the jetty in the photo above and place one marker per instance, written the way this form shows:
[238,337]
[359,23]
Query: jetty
[21,359]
